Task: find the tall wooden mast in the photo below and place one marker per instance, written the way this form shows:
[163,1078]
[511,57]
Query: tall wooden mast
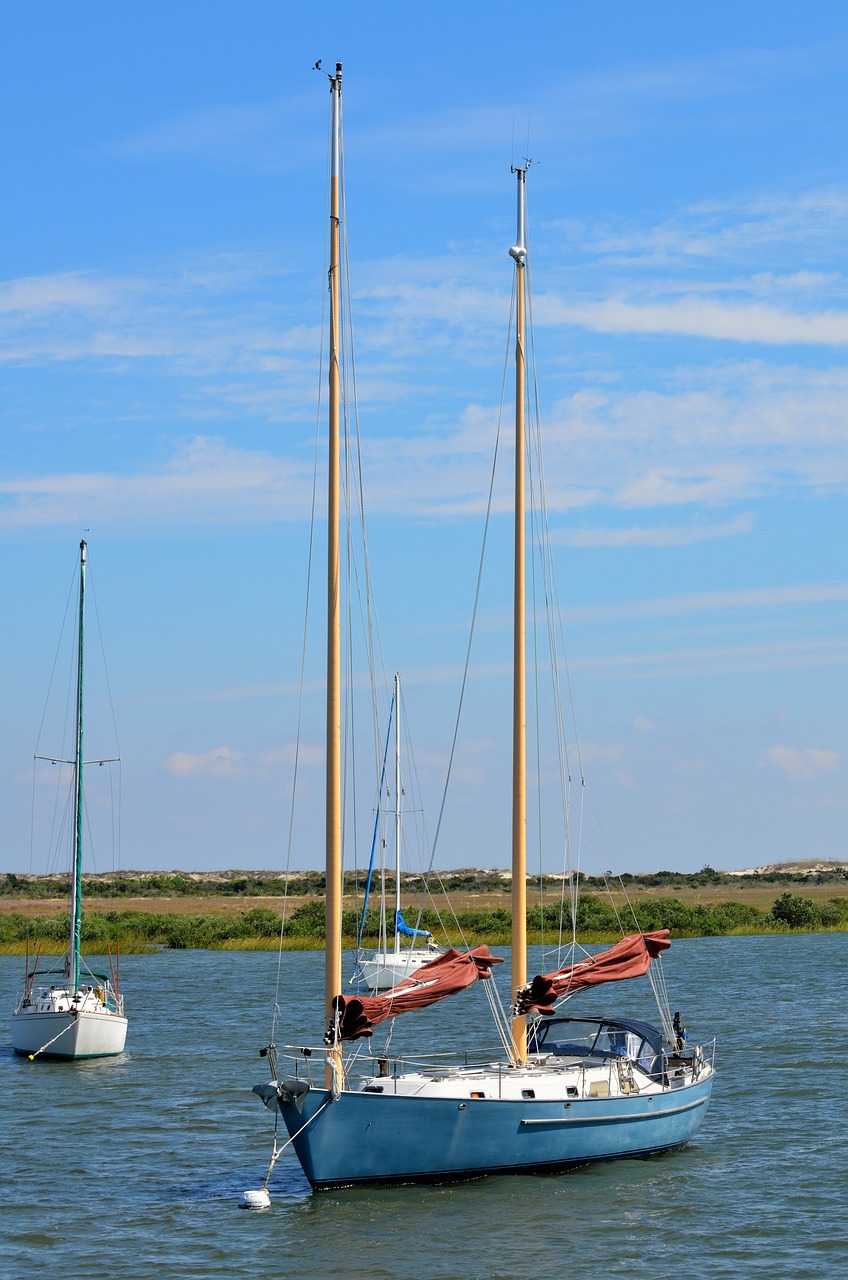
[518,253]
[333,864]
[76,890]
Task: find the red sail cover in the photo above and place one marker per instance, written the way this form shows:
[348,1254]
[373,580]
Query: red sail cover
[448,973]
[630,958]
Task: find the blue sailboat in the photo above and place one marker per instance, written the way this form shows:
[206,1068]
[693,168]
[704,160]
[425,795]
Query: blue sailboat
[568,1090]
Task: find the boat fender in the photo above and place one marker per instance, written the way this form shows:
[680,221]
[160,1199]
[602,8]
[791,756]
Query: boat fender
[273,1093]
[292,1091]
[269,1093]
[256,1199]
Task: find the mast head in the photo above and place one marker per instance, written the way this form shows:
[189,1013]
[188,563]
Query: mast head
[335,80]
[518,252]
[82,550]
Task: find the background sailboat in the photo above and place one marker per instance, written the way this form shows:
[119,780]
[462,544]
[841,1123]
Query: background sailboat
[71,1012]
[582,1089]
[386,966]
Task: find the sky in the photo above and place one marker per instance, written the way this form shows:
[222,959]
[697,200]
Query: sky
[161,290]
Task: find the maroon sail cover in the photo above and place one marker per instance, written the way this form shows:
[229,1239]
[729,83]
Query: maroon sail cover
[630,958]
[448,973]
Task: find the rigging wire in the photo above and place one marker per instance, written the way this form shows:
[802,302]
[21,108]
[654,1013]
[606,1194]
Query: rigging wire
[60,826]
[558,659]
[360,590]
[358,580]
[474,610]
[305,638]
[55,835]
[115,812]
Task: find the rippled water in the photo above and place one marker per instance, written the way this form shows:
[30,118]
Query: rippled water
[134,1167]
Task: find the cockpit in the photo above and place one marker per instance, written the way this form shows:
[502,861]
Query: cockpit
[600,1039]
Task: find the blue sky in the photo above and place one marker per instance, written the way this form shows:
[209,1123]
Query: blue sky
[161,283]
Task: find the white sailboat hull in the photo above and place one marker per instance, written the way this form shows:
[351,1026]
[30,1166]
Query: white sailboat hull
[65,1016]
[362,1138]
[69,1035]
[385,969]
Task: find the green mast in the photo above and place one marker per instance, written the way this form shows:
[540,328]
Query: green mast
[76,899]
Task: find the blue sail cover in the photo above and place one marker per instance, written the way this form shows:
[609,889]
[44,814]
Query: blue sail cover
[361,927]
[403,928]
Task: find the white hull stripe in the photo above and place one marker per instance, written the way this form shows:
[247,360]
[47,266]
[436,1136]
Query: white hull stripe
[606,1119]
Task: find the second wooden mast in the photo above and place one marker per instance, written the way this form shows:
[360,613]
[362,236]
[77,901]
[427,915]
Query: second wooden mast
[518,253]
[333,858]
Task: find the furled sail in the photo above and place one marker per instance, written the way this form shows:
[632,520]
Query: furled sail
[452,971]
[406,930]
[630,958]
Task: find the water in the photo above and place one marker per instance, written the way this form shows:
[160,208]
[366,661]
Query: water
[134,1167]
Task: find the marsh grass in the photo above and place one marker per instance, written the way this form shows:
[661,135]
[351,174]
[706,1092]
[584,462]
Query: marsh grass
[258,928]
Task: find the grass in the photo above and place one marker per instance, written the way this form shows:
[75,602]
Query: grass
[130,945]
[231,918]
[751,892]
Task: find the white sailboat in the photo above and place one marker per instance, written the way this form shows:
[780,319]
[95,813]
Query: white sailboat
[574,1090]
[387,966]
[70,1012]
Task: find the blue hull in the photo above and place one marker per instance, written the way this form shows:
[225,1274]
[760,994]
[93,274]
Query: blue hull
[363,1138]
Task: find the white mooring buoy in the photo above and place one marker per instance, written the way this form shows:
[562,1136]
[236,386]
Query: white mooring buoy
[256,1200]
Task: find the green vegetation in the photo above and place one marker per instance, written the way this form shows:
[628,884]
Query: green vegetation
[173,884]
[140,928]
[260,927]
[259,884]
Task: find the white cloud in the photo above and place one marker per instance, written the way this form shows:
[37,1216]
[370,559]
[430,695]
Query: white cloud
[811,225]
[720,660]
[205,482]
[601,752]
[269,136]
[680,436]
[767,270]
[697,317]
[219,315]
[658,536]
[700,602]
[643,725]
[802,763]
[582,108]
[284,757]
[221,762]
[748,433]
[67,291]
[708,436]
[225,762]
[213,131]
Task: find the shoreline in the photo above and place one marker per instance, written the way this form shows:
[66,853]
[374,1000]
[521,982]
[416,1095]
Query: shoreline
[129,945]
[247,922]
